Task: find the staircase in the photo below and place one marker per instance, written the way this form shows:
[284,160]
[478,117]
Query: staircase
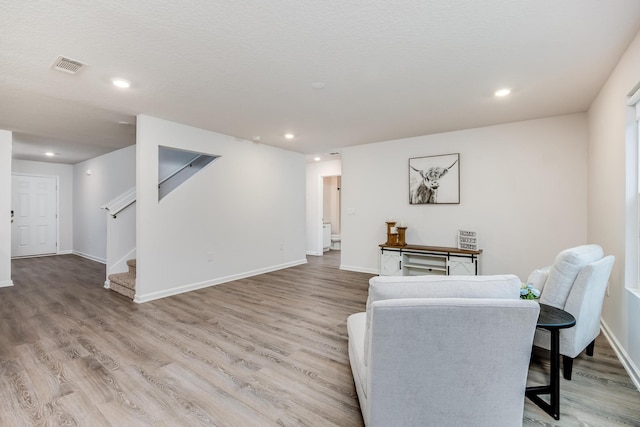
[125,283]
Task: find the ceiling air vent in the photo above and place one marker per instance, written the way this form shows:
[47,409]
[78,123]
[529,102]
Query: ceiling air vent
[67,65]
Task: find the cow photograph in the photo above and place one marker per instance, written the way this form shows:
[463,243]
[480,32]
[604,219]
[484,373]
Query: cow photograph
[434,179]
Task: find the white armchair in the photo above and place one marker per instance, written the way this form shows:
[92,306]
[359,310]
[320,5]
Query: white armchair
[576,283]
[442,351]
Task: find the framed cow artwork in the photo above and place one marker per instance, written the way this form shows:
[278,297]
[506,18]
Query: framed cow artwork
[434,180]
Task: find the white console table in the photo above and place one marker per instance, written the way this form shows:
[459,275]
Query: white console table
[415,260]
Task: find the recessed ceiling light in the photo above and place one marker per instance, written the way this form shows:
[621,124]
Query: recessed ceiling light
[317,159]
[121,83]
[502,92]
[289,135]
[49,154]
[317,85]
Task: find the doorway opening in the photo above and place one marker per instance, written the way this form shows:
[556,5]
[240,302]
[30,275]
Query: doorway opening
[331,211]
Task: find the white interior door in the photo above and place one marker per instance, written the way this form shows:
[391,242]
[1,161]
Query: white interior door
[34,201]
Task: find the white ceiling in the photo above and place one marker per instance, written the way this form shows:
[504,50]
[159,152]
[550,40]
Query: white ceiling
[391,68]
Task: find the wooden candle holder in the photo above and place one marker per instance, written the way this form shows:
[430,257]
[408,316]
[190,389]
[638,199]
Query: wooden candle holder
[391,238]
[401,236]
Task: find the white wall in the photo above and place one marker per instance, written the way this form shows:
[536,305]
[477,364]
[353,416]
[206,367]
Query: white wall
[612,202]
[240,216]
[315,172]
[111,175]
[5,208]
[522,188]
[65,195]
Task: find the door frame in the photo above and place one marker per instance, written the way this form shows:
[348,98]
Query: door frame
[57,205]
[321,209]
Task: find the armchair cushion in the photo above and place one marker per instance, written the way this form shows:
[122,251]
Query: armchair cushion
[564,271]
[538,278]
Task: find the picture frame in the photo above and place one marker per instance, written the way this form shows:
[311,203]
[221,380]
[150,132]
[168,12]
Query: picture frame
[434,180]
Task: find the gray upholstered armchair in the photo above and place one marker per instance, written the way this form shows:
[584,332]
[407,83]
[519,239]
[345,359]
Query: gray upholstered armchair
[576,283]
[442,351]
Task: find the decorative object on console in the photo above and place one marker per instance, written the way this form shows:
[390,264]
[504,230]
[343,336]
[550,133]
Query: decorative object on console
[401,235]
[467,240]
[434,179]
[392,235]
[395,235]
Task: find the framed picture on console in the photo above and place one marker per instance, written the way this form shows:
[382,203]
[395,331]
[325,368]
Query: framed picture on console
[434,180]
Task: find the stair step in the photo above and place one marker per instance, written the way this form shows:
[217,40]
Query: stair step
[122,290]
[132,266]
[123,283]
[127,280]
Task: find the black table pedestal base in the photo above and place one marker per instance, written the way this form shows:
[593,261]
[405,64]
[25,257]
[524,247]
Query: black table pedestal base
[551,319]
[533,394]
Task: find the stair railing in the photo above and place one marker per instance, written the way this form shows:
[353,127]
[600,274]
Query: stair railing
[121,202]
[180,169]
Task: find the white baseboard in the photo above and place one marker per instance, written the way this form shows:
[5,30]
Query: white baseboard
[359,269]
[313,253]
[624,358]
[91,257]
[69,252]
[6,283]
[194,286]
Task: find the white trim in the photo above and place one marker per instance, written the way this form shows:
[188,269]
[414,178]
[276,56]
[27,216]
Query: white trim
[107,284]
[6,283]
[625,360]
[634,96]
[34,256]
[194,286]
[315,253]
[359,269]
[320,213]
[43,255]
[634,291]
[91,257]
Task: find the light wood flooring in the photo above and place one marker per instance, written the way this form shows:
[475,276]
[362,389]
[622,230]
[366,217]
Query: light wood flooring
[265,351]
